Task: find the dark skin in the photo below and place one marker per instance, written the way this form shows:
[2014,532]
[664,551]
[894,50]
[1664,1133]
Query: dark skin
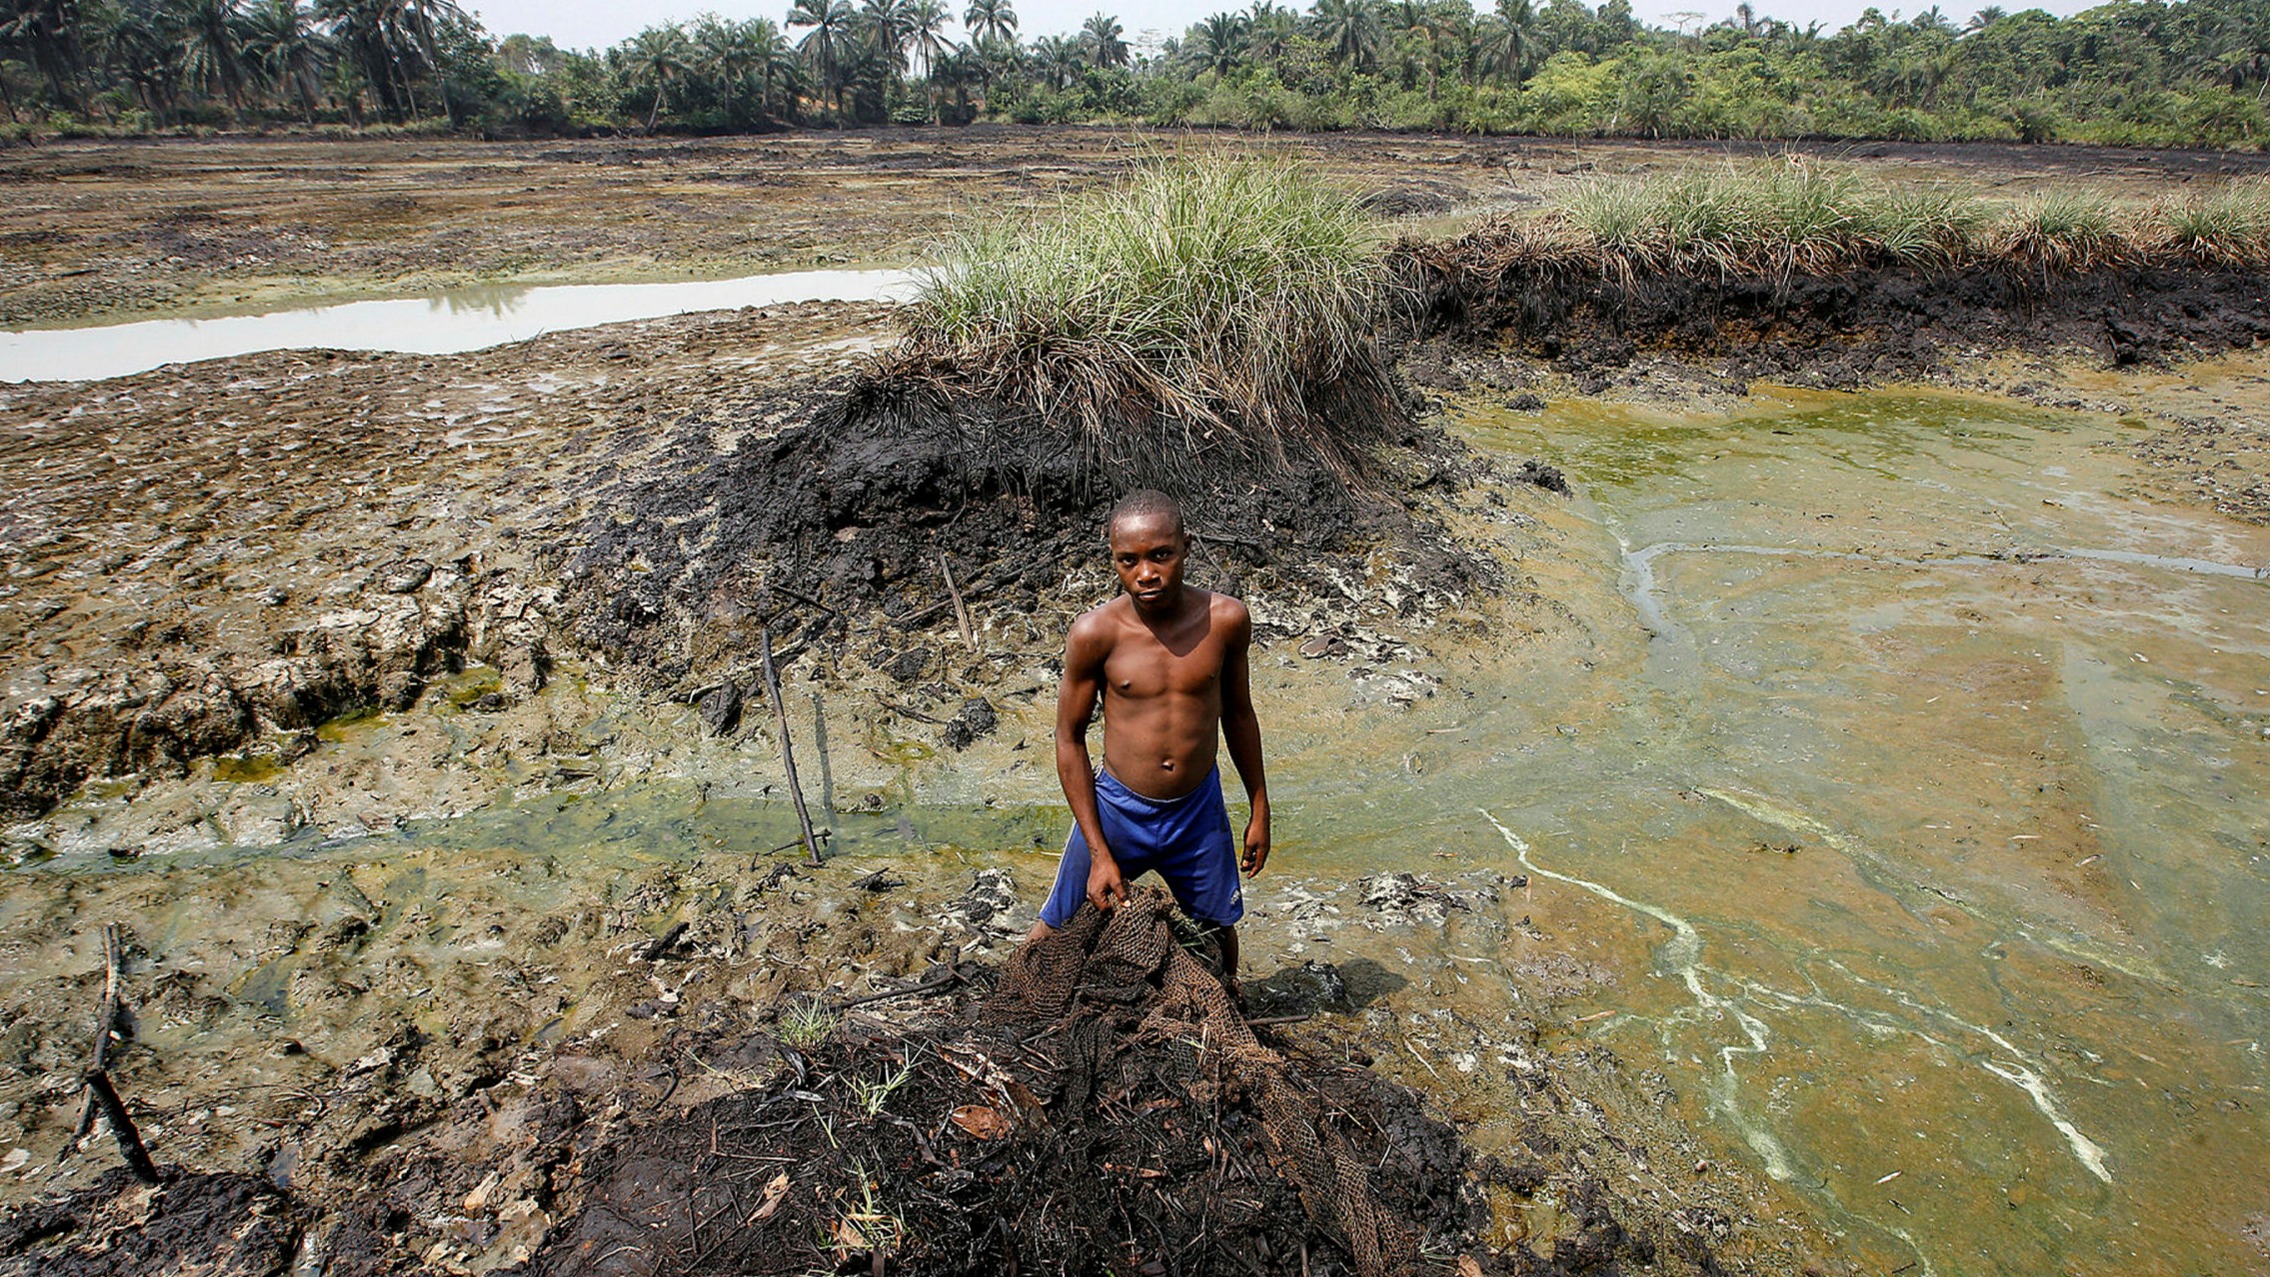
[1169,664]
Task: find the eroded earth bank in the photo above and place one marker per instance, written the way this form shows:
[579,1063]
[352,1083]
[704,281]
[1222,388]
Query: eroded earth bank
[405,715]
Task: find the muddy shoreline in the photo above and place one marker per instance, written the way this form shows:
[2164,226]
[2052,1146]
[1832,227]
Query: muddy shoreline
[209,565]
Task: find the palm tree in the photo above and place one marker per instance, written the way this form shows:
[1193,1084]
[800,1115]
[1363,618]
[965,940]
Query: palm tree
[884,24]
[209,30]
[823,46]
[1986,17]
[394,43]
[990,20]
[1268,29]
[50,34]
[720,51]
[284,48]
[1220,42]
[658,56]
[1059,60]
[1100,40]
[1349,31]
[775,63]
[926,34]
[1508,40]
[141,42]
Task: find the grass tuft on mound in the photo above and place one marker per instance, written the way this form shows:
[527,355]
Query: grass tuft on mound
[2228,226]
[1770,218]
[1233,298]
[1776,219]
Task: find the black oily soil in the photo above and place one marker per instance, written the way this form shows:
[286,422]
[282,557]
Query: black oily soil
[842,515]
[221,1225]
[1849,329]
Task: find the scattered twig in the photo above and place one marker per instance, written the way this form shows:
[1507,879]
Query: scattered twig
[664,943]
[122,1127]
[947,981]
[877,881]
[106,1027]
[1269,1021]
[787,748]
[961,609]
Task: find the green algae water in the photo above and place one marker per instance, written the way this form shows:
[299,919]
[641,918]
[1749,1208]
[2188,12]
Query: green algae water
[1929,772]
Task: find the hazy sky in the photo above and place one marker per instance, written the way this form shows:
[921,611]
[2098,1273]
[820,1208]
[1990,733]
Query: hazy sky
[599,23]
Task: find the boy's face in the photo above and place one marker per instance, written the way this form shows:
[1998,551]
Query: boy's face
[1147,552]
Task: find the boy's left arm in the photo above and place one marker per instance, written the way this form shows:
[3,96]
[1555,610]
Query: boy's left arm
[1241,731]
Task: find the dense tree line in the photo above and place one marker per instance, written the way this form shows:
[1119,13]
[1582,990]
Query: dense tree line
[2189,73]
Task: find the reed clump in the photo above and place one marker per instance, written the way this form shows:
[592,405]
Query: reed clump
[2226,226]
[1782,219]
[1230,299]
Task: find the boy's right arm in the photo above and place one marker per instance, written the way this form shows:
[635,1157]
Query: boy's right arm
[1084,653]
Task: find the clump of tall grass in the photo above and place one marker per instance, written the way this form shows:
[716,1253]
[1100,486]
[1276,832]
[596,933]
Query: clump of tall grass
[2065,231]
[1234,297]
[1769,218]
[2228,226]
[1775,220]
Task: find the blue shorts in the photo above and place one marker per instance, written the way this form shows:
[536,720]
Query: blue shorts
[1186,840]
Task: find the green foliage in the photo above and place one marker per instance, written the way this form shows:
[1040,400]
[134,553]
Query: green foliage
[804,1022]
[2139,72]
[1222,292]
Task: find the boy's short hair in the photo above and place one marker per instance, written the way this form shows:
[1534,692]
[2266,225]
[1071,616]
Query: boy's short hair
[1145,503]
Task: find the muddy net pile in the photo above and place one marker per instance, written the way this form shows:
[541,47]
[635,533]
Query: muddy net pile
[1103,1109]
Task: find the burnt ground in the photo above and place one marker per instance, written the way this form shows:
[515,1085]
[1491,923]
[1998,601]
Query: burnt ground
[842,530]
[121,229]
[1091,1105]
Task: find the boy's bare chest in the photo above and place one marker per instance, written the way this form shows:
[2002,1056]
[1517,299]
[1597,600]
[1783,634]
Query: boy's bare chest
[1148,669]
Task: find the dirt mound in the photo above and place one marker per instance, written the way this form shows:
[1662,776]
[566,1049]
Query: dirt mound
[1841,330]
[1104,1110]
[210,1225]
[843,503]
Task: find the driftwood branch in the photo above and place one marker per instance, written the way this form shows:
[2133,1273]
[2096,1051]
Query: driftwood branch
[122,1127]
[787,747]
[106,1026]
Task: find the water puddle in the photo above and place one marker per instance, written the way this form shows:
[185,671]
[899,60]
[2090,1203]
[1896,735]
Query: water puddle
[1933,784]
[447,323]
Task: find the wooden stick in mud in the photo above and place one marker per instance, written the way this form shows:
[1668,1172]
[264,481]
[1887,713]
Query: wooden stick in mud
[787,749]
[122,1127]
[961,609]
[113,953]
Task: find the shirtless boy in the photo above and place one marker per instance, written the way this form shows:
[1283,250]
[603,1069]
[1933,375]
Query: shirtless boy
[1169,662]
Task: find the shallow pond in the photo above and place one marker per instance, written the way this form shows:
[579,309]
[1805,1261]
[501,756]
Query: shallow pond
[446,323]
[1936,786]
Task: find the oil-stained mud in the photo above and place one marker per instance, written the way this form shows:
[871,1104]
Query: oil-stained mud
[1836,332]
[862,519]
[215,1225]
[1094,1104]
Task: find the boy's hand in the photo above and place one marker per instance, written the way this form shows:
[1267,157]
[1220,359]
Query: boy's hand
[1106,890]
[1256,843]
